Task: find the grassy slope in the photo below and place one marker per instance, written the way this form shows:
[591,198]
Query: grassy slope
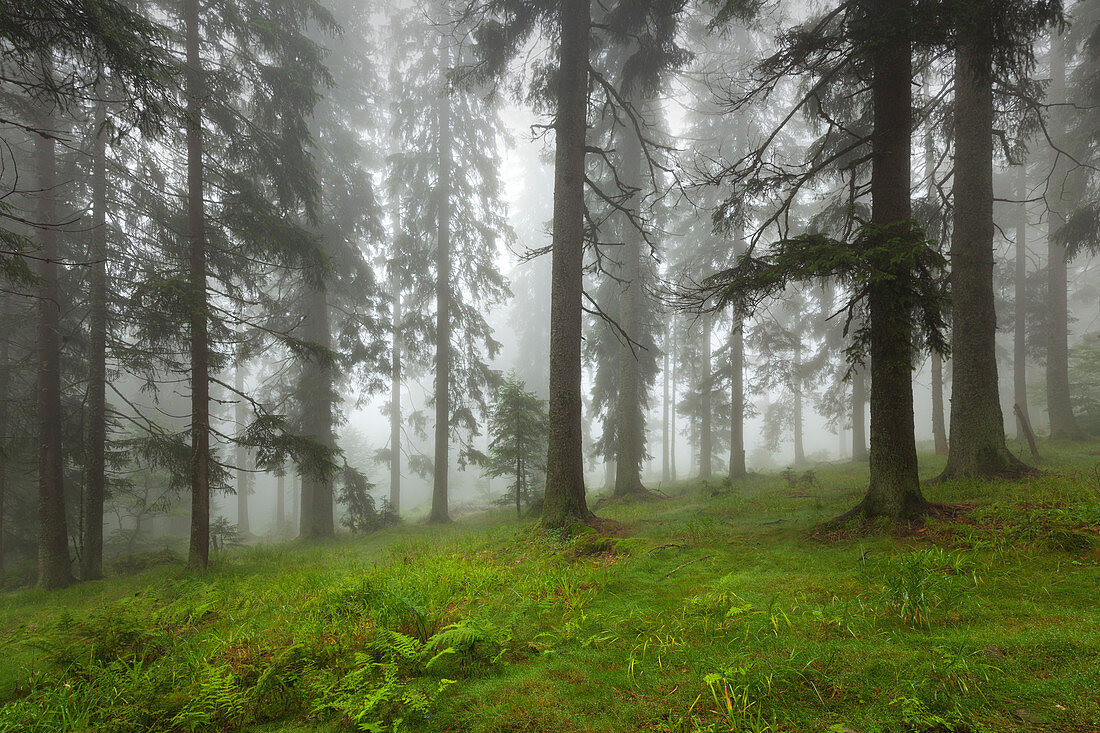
[715,610]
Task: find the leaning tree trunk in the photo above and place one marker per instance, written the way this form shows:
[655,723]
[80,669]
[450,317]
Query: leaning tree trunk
[977,424]
[439,512]
[1062,423]
[706,428]
[894,489]
[54,567]
[96,449]
[630,432]
[243,476]
[317,396]
[564,502]
[1019,345]
[198,555]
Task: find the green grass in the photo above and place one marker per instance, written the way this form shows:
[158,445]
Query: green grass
[717,609]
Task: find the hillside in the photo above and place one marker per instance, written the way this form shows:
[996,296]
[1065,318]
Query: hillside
[717,608]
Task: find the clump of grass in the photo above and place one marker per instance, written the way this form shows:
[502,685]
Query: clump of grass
[921,587]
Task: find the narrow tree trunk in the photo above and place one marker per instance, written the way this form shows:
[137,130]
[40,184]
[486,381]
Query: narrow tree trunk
[317,407]
[799,445]
[295,500]
[977,424]
[280,502]
[859,415]
[894,489]
[243,477]
[198,555]
[939,421]
[666,473]
[395,396]
[630,432]
[672,403]
[96,450]
[706,430]
[1019,345]
[439,511]
[54,567]
[1062,422]
[737,399]
[565,501]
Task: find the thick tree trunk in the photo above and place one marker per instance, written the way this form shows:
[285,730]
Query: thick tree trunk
[198,555]
[395,396]
[565,501]
[977,424]
[439,511]
[54,566]
[666,473]
[96,449]
[1062,423]
[859,415]
[894,489]
[630,432]
[244,479]
[706,429]
[317,412]
[5,429]
[1019,345]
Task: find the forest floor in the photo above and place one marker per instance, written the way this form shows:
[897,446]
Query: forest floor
[717,609]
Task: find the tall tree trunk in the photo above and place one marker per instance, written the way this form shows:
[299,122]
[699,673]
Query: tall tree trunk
[859,415]
[706,429]
[737,399]
[439,511]
[565,501]
[198,555]
[799,445]
[939,421]
[96,449]
[939,424]
[666,473]
[280,502]
[295,500]
[54,566]
[1062,423]
[630,432]
[395,397]
[244,478]
[672,403]
[317,407]
[894,489]
[1019,345]
[5,429]
[977,424]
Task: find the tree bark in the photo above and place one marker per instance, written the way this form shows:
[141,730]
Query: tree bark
[198,555]
[706,429]
[630,432]
[96,449]
[737,468]
[243,476]
[317,407]
[54,566]
[565,502]
[672,403]
[977,424]
[439,512]
[280,502]
[1019,345]
[1062,422]
[894,489]
[859,415]
[5,429]
[799,445]
[939,420]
